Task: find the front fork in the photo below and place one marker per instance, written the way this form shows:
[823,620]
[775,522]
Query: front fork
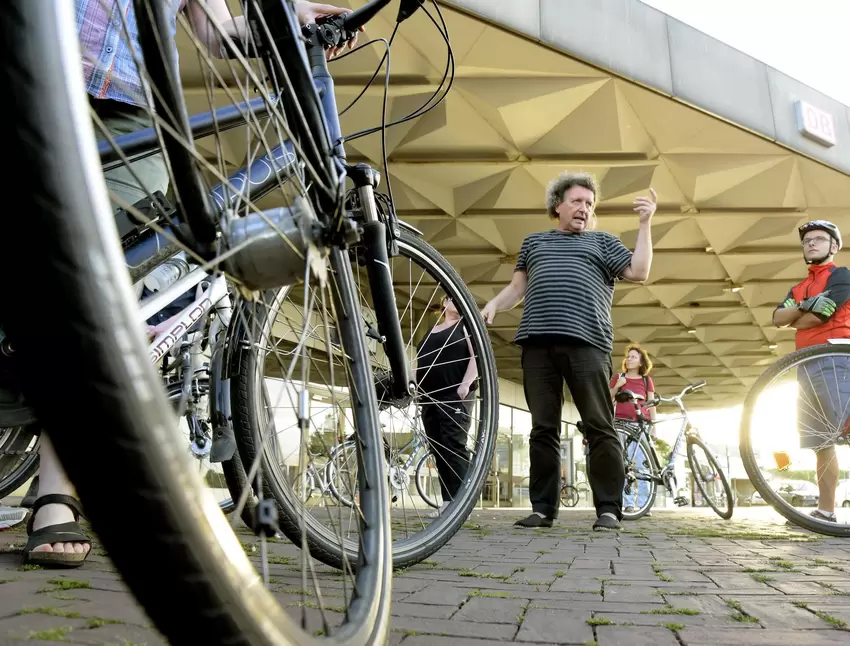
[374,242]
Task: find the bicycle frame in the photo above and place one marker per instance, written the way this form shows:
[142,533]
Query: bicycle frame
[666,475]
[258,179]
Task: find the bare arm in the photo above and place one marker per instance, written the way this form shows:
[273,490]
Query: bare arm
[233,26]
[807,320]
[236,28]
[471,373]
[649,397]
[509,296]
[797,319]
[613,390]
[638,269]
[786,316]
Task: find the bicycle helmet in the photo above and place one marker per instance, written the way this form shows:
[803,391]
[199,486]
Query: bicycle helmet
[821,225]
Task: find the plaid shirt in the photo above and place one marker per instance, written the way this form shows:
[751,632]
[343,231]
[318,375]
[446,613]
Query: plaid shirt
[108,63]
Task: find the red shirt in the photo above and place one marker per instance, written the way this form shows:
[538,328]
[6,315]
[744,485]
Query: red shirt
[834,283]
[626,410]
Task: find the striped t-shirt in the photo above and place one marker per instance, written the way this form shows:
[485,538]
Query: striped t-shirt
[570,285]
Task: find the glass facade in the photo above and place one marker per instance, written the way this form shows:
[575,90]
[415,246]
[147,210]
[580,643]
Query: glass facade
[507,485]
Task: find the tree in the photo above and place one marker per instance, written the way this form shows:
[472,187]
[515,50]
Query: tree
[664,450]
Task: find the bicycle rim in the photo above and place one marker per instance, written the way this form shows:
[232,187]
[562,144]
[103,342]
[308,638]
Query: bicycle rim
[429,534]
[709,478]
[642,491]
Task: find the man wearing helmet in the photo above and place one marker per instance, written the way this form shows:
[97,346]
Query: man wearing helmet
[819,309]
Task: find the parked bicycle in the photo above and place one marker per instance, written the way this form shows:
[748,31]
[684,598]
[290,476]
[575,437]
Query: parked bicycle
[415,455]
[571,494]
[328,248]
[706,472]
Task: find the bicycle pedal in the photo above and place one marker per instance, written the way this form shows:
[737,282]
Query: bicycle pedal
[680,501]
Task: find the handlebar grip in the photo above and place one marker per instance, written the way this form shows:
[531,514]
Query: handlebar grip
[697,385]
[359,17]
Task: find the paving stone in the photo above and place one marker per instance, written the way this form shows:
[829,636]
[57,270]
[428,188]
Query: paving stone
[455,627]
[780,614]
[570,583]
[705,604]
[595,605]
[32,625]
[441,595]
[433,640]
[492,610]
[799,587]
[632,593]
[422,610]
[621,619]
[536,573]
[447,609]
[735,637]
[117,634]
[689,576]
[555,627]
[634,636]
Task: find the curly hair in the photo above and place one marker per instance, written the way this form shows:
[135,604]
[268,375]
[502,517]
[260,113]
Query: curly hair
[645,362]
[564,182]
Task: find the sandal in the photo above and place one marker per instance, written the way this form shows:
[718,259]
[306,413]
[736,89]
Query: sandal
[59,533]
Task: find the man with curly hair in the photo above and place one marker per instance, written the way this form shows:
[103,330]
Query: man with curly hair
[567,276]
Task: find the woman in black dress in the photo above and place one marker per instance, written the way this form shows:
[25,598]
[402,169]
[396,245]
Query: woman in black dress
[446,373]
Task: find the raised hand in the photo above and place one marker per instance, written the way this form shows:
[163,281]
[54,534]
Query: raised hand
[645,206]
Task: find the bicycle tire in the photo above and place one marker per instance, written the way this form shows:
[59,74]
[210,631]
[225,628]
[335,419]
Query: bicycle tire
[745,444]
[653,486]
[727,489]
[420,489]
[131,465]
[569,496]
[28,466]
[406,552]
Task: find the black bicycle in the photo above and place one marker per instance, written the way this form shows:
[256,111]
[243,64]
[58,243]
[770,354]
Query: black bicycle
[285,219]
[644,466]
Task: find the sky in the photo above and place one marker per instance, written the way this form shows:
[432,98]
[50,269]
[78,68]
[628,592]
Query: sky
[809,41]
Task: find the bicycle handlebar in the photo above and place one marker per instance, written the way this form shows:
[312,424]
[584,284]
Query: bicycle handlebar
[340,29]
[359,17]
[675,398]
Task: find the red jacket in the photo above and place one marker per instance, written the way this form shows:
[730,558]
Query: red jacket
[834,283]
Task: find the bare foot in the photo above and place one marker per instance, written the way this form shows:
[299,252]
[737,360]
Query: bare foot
[55,515]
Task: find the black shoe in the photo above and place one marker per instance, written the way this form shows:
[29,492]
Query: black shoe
[606,523]
[535,520]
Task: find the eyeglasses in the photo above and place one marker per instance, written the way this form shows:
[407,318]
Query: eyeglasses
[815,240]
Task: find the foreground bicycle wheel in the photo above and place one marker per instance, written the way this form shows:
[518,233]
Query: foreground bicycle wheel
[130,463]
[419,273]
[794,434]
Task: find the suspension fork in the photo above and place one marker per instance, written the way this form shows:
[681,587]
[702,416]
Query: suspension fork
[374,241]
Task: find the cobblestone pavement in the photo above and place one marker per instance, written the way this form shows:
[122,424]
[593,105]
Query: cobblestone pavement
[679,577]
